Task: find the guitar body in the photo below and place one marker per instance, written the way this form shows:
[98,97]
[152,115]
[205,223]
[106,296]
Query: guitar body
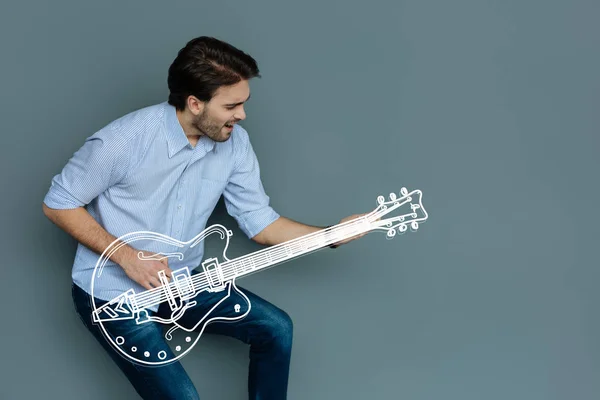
[186,305]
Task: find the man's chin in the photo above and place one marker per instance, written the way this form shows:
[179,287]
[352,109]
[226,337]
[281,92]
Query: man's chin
[223,137]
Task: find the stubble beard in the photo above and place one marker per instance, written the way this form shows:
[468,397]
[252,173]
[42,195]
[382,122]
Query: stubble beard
[209,128]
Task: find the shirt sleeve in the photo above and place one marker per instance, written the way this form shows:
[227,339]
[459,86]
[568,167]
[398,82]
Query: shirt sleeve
[100,163]
[244,195]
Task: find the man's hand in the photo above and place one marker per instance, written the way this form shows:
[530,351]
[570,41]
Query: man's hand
[145,272]
[350,218]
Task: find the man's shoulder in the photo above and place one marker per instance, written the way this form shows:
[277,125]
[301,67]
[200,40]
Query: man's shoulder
[131,125]
[140,122]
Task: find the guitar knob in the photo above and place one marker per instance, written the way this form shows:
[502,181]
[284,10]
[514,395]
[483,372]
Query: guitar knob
[142,317]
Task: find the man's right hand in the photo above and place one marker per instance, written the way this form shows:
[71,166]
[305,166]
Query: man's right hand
[145,272]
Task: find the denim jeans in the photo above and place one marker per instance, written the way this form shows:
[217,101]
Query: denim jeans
[267,329]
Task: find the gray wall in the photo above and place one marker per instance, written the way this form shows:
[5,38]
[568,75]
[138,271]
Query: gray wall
[490,108]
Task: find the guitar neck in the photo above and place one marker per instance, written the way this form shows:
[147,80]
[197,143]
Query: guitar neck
[266,258]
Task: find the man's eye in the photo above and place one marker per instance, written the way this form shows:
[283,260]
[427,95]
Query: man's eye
[230,108]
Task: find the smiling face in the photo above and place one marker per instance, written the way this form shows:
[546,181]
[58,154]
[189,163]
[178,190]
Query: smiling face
[216,118]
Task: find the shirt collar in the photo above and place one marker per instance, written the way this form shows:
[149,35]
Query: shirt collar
[176,139]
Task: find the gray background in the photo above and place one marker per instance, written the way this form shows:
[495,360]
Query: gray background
[490,108]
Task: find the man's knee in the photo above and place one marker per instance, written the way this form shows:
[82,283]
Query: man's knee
[282,329]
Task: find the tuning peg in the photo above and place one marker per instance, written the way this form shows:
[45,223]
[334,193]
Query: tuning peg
[402,228]
[391,233]
[414,225]
[380,199]
[393,196]
[403,191]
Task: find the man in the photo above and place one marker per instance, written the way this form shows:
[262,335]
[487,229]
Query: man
[162,169]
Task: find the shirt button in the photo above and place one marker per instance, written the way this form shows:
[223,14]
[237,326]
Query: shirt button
[179,207]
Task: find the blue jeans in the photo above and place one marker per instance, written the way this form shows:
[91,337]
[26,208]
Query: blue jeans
[267,329]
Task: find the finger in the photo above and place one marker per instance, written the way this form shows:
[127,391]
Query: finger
[168,274]
[162,267]
[154,282]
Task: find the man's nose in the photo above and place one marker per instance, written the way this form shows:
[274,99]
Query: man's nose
[241,114]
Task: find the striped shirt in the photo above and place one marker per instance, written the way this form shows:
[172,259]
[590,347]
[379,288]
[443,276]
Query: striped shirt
[140,173]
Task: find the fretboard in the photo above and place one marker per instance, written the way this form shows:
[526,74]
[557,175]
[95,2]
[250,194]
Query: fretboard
[294,248]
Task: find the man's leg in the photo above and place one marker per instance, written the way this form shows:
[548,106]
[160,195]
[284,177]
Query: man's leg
[268,331]
[164,382]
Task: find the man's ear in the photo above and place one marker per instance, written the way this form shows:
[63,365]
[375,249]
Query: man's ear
[195,105]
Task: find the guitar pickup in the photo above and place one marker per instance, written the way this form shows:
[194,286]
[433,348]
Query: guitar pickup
[214,275]
[183,283]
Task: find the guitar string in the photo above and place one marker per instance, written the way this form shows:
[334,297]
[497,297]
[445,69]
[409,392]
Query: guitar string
[158,294]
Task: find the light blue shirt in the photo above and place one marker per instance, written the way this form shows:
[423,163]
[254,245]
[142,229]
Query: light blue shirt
[140,173]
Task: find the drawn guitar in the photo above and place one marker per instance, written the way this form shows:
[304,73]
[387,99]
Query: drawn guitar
[218,275]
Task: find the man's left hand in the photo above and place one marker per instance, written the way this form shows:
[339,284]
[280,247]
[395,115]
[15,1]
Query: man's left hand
[350,218]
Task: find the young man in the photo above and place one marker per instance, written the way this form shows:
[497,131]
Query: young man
[162,169]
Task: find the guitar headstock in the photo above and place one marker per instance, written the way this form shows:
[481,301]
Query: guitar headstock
[402,212]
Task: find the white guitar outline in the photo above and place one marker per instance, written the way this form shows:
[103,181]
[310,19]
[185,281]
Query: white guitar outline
[220,277]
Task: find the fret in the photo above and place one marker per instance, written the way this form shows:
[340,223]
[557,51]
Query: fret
[297,248]
[312,244]
[259,259]
[247,265]
[228,271]
[278,255]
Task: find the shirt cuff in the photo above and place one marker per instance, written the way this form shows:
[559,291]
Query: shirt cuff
[254,222]
[58,198]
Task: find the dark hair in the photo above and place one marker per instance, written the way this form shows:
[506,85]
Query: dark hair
[205,64]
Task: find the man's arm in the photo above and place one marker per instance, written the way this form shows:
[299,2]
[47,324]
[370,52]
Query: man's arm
[284,229]
[78,223]
[100,163]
